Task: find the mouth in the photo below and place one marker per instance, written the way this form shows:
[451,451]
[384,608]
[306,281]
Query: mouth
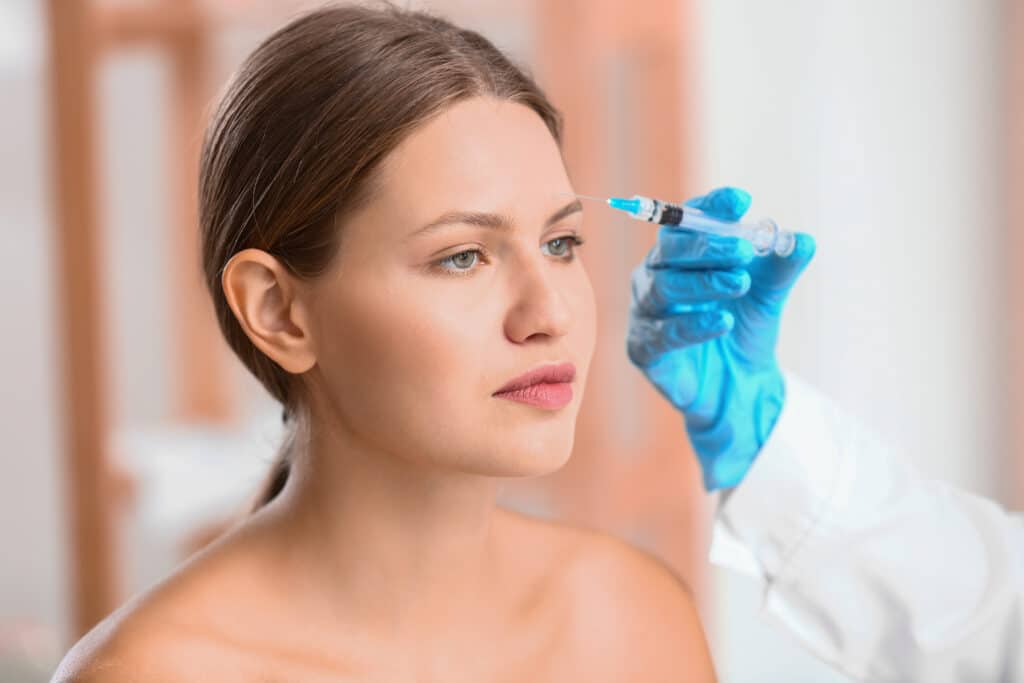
[548,386]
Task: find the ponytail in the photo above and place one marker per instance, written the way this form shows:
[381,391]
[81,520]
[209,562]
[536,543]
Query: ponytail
[282,467]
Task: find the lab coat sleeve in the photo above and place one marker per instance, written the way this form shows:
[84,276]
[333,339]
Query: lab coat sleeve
[883,574]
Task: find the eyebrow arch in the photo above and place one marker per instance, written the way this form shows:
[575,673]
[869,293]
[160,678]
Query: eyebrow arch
[491,220]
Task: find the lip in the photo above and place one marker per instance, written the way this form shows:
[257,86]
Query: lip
[558,373]
[549,386]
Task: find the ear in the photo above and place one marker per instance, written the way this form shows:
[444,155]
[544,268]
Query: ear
[264,298]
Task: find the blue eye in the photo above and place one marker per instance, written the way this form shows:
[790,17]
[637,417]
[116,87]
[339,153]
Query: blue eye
[563,248]
[464,265]
[459,261]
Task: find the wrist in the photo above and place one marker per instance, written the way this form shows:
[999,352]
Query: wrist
[728,442]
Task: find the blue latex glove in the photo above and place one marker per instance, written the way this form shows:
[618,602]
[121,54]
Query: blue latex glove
[703,327]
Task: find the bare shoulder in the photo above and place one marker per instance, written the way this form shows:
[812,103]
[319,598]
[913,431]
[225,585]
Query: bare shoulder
[169,632]
[632,614]
[126,646]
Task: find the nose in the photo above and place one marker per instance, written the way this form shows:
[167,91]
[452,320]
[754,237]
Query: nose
[539,304]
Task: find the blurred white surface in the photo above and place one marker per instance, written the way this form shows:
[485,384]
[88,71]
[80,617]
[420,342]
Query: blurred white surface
[187,478]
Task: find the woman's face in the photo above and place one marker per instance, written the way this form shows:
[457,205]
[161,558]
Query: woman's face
[414,336]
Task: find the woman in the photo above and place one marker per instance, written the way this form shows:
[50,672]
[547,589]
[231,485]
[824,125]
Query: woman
[389,237]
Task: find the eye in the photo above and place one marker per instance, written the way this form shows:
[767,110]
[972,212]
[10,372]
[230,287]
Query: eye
[564,248]
[461,263]
[561,245]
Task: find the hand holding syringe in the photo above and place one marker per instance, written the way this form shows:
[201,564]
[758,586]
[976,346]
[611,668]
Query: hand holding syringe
[704,322]
[764,234]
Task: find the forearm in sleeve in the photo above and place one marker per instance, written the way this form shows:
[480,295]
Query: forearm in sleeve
[883,574]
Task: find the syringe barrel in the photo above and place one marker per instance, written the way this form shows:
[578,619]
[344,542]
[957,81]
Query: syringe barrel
[764,234]
[761,233]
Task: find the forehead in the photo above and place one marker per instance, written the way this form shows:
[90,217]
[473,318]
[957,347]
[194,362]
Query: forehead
[479,154]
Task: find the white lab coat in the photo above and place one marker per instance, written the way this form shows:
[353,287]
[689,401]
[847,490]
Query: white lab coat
[883,574]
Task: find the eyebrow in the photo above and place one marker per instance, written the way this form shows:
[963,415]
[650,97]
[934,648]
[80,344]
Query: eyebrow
[491,220]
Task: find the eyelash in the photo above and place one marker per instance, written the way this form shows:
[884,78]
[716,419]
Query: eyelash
[575,239]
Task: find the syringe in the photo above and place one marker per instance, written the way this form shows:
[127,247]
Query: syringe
[764,234]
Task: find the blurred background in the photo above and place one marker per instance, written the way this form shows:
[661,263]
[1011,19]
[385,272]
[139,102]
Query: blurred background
[889,129]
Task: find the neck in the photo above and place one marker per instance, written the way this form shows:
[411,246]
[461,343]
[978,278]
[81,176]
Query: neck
[399,545]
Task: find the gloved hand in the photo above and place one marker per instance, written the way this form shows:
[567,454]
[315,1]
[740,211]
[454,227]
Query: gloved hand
[703,326]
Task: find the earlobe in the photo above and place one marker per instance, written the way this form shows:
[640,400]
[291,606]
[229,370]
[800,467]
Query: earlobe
[262,295]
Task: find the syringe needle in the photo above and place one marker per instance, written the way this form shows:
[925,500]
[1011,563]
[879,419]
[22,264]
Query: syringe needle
[584,196]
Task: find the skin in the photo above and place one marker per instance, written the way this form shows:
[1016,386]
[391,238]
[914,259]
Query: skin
[386,557]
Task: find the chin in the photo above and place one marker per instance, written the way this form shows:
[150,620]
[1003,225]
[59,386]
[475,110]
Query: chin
[528,461]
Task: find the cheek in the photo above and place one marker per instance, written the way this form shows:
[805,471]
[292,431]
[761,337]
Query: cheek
[585,325]
[406,368]
[412,348]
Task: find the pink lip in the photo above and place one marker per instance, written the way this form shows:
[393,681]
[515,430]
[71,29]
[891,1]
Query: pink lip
[548,386]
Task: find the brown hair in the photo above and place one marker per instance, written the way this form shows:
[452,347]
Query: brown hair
[294,142]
